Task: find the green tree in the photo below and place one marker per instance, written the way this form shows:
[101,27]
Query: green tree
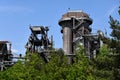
[115,44]
[115,34]
[34,68]
[107,65]
[103,64]
[27,70]
[59,68]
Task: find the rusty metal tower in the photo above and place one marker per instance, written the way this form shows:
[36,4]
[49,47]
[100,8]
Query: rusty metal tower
[39,42]
[75,25]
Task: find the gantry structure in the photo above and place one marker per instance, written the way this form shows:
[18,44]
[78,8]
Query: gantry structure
[38,42]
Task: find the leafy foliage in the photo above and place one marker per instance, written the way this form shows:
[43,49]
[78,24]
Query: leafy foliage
[57,69]
[103,65]
[106,65]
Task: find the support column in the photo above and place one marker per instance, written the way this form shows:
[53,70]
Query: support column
[67,43]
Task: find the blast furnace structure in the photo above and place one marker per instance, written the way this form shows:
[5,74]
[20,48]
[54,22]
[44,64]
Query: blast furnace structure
[76,30]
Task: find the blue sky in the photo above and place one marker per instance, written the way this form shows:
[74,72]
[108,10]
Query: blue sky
[17,15]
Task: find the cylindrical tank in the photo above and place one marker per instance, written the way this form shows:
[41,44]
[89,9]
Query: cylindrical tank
[67,40]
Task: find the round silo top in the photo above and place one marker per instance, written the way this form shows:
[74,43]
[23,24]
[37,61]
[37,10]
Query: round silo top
[75,14]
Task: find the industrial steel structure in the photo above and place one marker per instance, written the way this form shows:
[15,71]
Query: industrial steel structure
[5,55]
[39,42]
[76,30]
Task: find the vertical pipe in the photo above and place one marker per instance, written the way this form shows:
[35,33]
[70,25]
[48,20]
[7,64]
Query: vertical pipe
[67,43]
[67,40]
